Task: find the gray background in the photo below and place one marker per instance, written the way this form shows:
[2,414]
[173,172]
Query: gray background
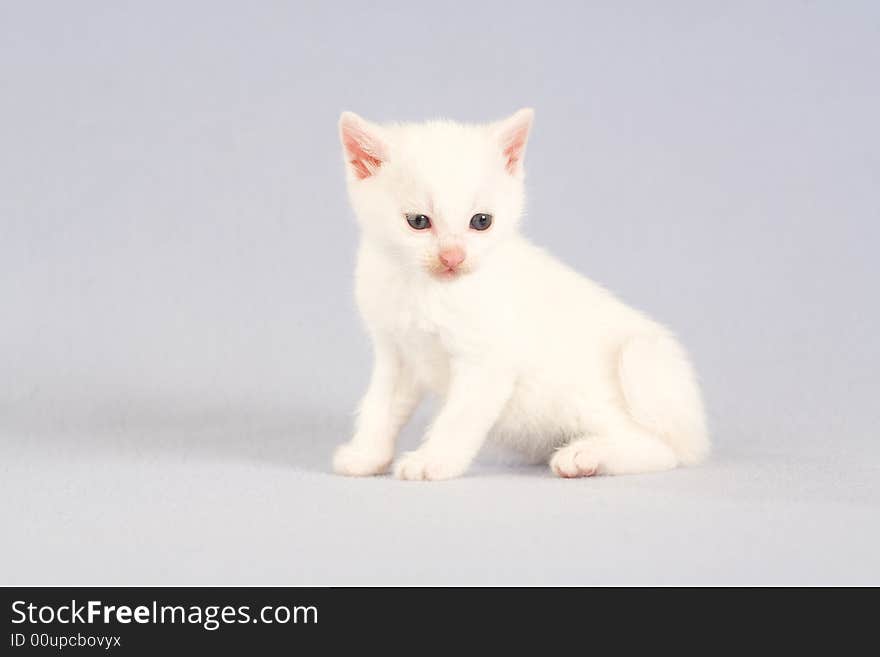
[179,348]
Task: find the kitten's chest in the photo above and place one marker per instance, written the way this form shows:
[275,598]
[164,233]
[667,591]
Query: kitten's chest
[423,346]
[418,325]
[426,357]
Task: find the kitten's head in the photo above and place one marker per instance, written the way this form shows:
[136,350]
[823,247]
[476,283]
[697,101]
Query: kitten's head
[437,196]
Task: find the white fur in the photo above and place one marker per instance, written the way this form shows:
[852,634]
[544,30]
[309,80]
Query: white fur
[522,349]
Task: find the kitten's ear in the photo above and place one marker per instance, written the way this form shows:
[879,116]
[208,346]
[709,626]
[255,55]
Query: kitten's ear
[512,134]
[363,144]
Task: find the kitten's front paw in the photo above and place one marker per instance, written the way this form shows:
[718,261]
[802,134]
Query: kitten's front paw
[422,465]
[574,460]
[354,461]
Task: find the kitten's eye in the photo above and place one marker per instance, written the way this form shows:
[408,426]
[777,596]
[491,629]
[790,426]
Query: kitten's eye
[418,221]
[481,221]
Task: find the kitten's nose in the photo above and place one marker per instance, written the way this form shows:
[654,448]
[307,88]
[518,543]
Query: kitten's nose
[452,256]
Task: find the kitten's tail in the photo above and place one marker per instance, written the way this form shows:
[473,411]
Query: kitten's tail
[661,392]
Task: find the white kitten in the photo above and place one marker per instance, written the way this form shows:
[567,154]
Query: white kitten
[521,348]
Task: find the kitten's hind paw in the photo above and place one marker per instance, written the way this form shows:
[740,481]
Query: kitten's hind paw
[355,461]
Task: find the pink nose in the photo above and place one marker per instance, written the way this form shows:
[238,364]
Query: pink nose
[452,257]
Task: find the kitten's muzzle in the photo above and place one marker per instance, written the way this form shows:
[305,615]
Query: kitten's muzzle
[451,257]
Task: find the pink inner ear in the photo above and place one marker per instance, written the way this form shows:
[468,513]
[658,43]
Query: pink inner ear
[362,160]
[516,143]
